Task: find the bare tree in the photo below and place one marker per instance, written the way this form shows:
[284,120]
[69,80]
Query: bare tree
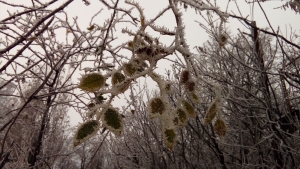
[245,85]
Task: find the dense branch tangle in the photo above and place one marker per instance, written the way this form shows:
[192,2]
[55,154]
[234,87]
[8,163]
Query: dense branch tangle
[190,112]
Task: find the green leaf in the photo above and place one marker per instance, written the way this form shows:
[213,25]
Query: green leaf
[86,131]
[156,107]
[182,117]
[189,109]
[91,82]
[220,127]
[211,112]
[129,69]
[170,138]
[113,121]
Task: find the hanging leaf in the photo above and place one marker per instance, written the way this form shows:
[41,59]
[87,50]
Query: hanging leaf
[113,121]
[220,127]
[117,78]
[182,117]
[189,86]
[189,109]
[211,112]
[184,76]
[169,138]
[156,107]
[129,69]
[91,82]
[195,98]
[86,131]
[222,39]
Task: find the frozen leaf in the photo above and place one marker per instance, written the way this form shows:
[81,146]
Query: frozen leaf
[189,109]
[170,138]
[189,86]
[220,127]
[211,112]
[156,107]
[113,121]
[222,40]
[86,131]
[182,117]
[91,82]
[195,98]
[129,69]
[184,76]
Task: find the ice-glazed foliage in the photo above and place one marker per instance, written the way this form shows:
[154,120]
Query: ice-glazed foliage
[129,69]
[117,78]
[195,98]
[189,109]
[182,117]
[156,106]
[91,82]
[211,112]
[170,138]
[190,86]
[220,127]
[222,39]
[139,64]
[113,121]
[184,77]
[85,131]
